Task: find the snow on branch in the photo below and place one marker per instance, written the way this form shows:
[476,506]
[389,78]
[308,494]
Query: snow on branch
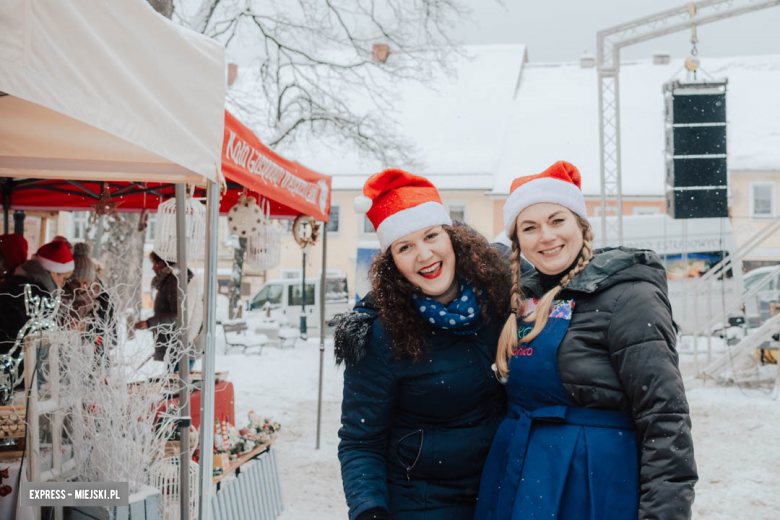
[307,67]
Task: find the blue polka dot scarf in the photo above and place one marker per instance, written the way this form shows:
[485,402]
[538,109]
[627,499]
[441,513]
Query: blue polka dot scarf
[461,316]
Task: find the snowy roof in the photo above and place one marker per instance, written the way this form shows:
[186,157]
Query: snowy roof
[555,116]
[457,127]
[442,181]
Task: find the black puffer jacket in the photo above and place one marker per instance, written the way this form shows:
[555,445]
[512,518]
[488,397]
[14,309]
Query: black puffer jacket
[619,354]
[415,436]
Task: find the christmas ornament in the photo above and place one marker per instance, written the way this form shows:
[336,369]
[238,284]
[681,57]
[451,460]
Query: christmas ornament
[305,231]
[246,217]
[165,244]
[105,206]
[264,247]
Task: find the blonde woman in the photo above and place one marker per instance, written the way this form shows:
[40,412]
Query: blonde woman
[598,425]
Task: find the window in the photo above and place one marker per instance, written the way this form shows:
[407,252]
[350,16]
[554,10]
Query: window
[762,199]
[270,293]
[79,221]
[367,227]
[646,210]
[457,210]
[290,274]
[335,289]
[151,225]
[333,221]
[294,294]
[611,210]
[287,225]
[752,281]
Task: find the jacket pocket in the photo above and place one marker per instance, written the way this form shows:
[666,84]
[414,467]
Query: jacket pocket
[408,451]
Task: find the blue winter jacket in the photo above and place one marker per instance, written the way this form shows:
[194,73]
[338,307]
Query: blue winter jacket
[415,436]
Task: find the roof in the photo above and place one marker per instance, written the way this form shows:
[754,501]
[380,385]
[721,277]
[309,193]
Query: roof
[555,116]
[454,181]
[458,127]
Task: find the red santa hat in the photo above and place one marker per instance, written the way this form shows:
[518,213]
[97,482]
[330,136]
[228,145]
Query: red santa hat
[55,257]
[14,249]
[558,184]
[398,203]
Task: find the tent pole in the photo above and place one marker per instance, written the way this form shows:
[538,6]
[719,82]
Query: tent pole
[19,222]
[323,287]
[184,362]
[6,206]
[208,367]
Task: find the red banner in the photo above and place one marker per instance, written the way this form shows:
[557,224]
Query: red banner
[250,163]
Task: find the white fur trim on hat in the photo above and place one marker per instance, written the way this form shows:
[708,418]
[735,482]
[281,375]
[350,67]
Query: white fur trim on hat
[362,204]
[409,220]
[55,267]
[545,189]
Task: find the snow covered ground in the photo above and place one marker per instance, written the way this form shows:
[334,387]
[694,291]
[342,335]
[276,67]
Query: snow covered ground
[735,430]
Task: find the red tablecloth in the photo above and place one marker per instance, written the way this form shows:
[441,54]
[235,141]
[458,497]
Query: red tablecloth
[224,404]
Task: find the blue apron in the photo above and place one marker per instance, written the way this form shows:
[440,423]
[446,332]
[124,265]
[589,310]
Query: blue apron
[551,459]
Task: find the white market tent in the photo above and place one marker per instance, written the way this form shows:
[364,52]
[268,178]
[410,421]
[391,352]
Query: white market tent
[112,91]
[107,90]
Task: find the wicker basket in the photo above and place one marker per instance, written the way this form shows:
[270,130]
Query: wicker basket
[12,423]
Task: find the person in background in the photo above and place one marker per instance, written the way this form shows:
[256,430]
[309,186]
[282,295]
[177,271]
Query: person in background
[163,321]
[89,305]
[13,253]
[60,238]
[45,273]
[598,426]
[421,404]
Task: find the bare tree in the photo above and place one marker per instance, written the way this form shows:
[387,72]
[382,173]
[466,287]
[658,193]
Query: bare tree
[164,7]
[234,287]
[327,70]
[320,69]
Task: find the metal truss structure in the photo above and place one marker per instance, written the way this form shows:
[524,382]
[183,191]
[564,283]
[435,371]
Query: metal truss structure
[609,43]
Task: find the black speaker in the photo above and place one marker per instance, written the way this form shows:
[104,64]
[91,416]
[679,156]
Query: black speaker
[696,170]
[699,108]
[707,203]
[699,140]
[687,173]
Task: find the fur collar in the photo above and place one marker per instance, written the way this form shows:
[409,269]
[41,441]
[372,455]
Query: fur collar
[353,332]
[37,275]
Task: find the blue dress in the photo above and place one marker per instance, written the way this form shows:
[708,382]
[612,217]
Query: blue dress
[551,459]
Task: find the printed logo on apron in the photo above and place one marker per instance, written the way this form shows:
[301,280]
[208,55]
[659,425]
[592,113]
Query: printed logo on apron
[560,309]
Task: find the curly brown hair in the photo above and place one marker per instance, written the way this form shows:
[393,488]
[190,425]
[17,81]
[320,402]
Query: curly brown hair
[476,262]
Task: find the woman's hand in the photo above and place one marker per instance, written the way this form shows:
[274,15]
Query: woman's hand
[141,325]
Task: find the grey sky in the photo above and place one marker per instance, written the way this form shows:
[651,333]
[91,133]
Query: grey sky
[560,30]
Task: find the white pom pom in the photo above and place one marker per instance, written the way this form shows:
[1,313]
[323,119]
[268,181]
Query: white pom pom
[362,204]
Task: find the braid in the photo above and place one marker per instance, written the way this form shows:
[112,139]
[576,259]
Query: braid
[585,257]
[540,315]
[507,342]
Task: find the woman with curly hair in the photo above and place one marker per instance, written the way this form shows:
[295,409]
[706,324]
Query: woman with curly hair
[598,425]
[421,403]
